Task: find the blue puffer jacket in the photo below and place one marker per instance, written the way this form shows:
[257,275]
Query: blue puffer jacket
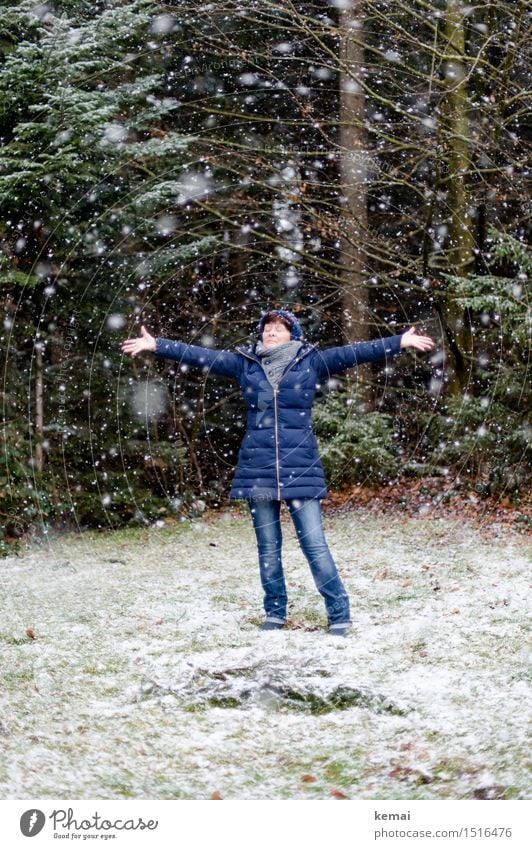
[278,457]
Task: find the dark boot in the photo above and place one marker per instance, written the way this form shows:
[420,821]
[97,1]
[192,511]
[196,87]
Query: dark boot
[271,626]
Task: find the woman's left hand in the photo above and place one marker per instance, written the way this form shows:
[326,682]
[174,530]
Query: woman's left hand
[410,339]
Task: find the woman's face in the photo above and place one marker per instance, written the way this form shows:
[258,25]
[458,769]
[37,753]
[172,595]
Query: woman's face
[275,333]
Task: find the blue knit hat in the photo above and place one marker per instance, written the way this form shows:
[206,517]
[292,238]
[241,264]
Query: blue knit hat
[295,327]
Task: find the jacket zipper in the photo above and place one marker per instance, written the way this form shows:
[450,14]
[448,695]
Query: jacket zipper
[276,444]
[275,390]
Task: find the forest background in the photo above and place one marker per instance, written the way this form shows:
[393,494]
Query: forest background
[188,166]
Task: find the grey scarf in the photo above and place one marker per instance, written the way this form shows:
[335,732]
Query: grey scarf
[275,359]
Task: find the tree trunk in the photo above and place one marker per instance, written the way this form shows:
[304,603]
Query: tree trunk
[460,256]
[39,409]
[353,169]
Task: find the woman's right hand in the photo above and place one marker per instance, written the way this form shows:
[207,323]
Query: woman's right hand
[144,342]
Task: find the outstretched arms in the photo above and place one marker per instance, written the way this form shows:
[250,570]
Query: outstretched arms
[334,360]
[208,359]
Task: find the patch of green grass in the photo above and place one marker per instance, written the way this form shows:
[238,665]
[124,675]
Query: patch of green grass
[223,702]
[312,614]
[223,599]
[193,708]
[120,788]
[399,598]
[11,679]
[417,645]
[410,792]
[512,792]
[11,640]
[339,772]
[449,769]
[318,776]
[523,675]
[124,536]
[171,793]
[107,666]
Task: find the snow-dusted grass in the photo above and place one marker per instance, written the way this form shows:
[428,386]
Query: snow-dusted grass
[147,676]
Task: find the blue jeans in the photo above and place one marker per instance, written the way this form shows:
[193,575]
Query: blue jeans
[306,516]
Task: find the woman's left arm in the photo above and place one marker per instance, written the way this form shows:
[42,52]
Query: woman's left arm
[334,360]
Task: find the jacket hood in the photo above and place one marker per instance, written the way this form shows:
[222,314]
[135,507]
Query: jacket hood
[295,328]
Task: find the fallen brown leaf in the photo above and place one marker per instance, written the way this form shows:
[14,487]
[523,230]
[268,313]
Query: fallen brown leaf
[338,794]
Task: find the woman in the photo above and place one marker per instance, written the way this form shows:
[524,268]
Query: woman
[278,459]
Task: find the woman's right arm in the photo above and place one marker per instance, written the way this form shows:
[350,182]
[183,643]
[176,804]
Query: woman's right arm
[208,359]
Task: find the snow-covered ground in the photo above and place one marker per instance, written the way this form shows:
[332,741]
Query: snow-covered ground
[143,674]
